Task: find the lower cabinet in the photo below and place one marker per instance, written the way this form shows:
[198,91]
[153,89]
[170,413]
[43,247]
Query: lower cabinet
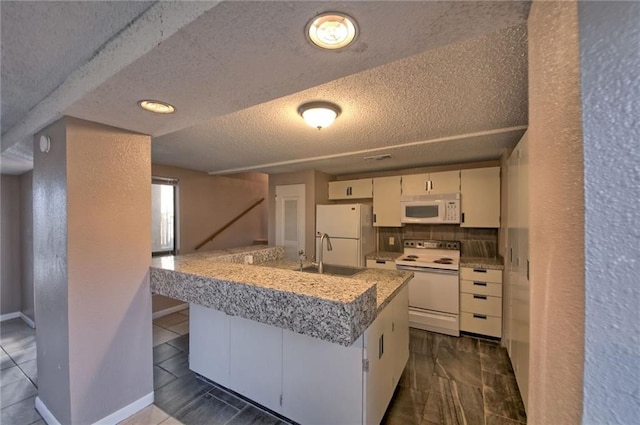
[481,301]
[207,356]
[321,382]
[255,361]
[303,378]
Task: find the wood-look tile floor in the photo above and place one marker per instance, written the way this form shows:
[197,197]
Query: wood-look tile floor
[447,381]
[452,381]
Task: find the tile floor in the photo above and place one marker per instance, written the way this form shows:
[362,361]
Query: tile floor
[447,381]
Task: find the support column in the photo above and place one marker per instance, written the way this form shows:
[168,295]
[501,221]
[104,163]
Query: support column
[92,250]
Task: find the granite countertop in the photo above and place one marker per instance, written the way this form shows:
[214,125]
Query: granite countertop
[383,255]
[332,308]
[482,263]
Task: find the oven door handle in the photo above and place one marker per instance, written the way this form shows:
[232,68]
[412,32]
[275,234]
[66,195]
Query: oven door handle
[426,270]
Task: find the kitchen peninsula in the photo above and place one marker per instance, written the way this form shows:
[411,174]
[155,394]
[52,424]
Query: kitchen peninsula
[313,348]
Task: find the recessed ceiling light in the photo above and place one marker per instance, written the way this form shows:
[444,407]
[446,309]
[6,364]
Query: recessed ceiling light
[332,30]
[156,106]
[319,114]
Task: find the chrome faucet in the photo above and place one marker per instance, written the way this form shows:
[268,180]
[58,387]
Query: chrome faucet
[320,254]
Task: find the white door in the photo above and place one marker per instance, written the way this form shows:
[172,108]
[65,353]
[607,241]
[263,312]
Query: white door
[290,223]
[340,221]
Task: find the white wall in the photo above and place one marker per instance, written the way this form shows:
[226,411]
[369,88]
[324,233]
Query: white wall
[610,81]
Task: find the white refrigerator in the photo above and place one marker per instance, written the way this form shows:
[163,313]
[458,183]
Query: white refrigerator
[350,228]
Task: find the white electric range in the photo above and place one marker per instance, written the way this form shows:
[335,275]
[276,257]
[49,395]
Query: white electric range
[434,290]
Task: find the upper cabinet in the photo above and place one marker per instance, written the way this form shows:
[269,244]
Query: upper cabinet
[386,201]
[431,183]
[480,193]
[351,189]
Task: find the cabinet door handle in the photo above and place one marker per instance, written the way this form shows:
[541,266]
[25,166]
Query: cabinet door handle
[462,218]
[381,346]
[480,297]
[480,283]
[374,218]
[426,185]
[381,261]
[479,316]
[480,270]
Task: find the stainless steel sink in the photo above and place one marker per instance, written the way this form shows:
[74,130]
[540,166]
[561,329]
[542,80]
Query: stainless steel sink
[334,270]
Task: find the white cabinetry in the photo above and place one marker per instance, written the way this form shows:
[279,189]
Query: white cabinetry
[321,382]
[256,373]
[480,192]
[351,189]
[517,288]
[303,378]
[386,201]
[431,183]
[481,301]
[207,356]
[381,264]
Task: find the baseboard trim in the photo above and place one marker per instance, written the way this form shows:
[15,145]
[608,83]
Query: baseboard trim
[18,315]
[169,310]
[112,419]
[26,319]
[127,411]
[9,316]
[45,413]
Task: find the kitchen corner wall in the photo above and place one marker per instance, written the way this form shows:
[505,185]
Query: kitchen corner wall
[10,244]
[206,203]
[474,242]
[16,283]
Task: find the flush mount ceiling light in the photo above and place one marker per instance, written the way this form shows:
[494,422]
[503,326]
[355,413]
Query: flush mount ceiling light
[156,106]
[378,157]
[319,114]
[332,30]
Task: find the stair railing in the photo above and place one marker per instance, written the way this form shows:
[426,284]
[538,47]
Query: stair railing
[226,226]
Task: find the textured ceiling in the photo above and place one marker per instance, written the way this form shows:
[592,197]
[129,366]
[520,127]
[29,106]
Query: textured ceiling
[237,71]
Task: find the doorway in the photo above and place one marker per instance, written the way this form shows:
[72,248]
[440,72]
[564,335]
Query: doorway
[290,219]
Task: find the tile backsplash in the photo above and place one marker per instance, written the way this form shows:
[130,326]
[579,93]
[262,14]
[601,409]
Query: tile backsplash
[474,242]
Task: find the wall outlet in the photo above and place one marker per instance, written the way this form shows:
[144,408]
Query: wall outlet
[248,259]
[392,240]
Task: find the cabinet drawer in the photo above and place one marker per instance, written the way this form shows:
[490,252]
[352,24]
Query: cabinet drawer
[481,288]
[381,264]
[482,275]
[483,304]
[483,325]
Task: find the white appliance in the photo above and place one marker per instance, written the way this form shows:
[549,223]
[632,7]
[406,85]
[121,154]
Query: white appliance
[350,229]
[434,290]
[430,209]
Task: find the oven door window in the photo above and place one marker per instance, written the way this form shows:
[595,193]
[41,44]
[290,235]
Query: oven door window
[421,211]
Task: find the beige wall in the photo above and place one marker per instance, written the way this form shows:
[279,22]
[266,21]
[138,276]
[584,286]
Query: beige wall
[316,192]
[556,215]
[92,209]
[10,248]
[206,203]
[26,244]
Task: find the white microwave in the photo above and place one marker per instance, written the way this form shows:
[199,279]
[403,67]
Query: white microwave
[431,209]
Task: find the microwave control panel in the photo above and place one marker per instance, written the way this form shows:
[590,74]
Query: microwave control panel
[451,212]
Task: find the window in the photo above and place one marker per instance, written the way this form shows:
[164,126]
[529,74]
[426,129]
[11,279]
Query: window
[163,216]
